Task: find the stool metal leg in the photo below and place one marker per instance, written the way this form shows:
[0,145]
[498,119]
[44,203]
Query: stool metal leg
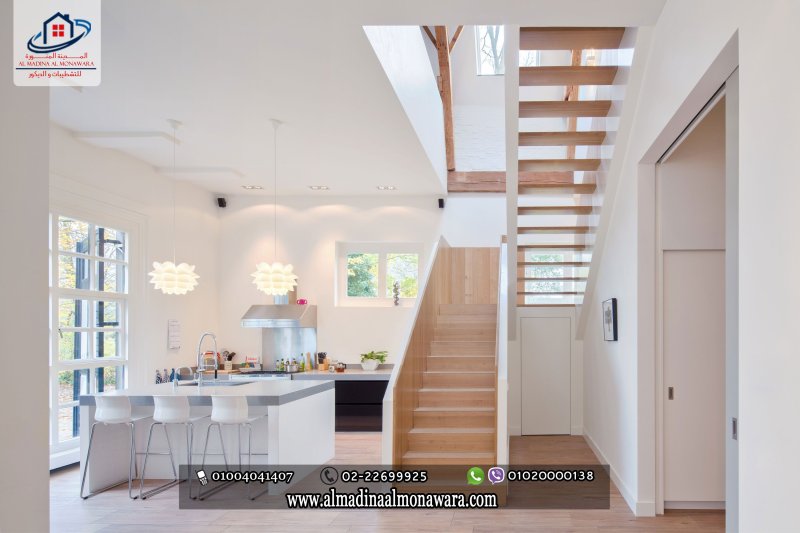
[131,466]
[144,495]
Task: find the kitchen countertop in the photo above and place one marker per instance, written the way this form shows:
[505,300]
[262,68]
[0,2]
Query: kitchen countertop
[268,392]
[350,374]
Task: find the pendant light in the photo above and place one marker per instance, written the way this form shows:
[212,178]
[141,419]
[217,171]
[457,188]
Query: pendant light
[276,279]
[170,277]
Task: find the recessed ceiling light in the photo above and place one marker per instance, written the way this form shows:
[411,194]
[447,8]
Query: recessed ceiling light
[252,187]
[319,187]
[387,188]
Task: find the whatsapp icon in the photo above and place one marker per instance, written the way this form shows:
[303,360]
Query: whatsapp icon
[475,475]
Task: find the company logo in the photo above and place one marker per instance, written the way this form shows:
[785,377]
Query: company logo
[59,32]
[475,475]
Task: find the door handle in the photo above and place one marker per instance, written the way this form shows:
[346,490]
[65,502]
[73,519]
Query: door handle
[671,393]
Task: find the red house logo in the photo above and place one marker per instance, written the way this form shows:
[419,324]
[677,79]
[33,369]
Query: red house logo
[57,29]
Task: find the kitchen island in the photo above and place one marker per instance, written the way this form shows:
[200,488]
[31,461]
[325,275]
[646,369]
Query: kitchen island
[298,428]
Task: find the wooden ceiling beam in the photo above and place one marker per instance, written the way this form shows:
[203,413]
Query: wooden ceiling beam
[571,75]
[429,34]
[446,91]
[456,35]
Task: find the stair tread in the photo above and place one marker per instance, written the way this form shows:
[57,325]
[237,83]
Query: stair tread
[460,409]
[478,431]
[567,75]
[459,372]
[558,108]
[570,38]
[457,389]
[456,455]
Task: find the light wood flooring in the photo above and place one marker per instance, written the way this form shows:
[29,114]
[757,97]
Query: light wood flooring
[113,512]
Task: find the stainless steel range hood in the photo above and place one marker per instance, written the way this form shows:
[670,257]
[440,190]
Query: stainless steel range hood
[280,316]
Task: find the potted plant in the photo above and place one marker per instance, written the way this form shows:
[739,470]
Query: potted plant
[371,360]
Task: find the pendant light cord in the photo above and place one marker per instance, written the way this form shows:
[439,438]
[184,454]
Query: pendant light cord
[174,224]
[276,124]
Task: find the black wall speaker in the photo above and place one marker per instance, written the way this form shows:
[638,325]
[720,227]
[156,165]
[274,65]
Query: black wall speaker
[221,201]
[441,203]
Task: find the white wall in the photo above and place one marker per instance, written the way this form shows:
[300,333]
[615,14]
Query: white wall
[24,483]
[681,75]
[308,229]
[88,178]
[404,57]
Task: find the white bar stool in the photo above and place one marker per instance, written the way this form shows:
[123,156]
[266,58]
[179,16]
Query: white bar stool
[231,411]
[170,410]
[113,410]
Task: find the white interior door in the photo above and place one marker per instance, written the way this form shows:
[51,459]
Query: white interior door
[694,370]
[546,353]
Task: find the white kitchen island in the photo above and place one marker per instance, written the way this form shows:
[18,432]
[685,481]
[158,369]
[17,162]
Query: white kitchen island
[298,428]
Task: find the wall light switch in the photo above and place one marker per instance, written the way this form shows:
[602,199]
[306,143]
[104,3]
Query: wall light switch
[173,334]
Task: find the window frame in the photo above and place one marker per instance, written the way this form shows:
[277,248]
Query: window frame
[382,249]
[91,329]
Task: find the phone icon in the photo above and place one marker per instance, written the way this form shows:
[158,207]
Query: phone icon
[329,475]
[475,475]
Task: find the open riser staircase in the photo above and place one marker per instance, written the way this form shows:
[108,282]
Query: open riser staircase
[569,100]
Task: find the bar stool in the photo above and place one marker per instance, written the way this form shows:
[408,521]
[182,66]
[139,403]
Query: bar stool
[113,410]
[170,410]
[231,411]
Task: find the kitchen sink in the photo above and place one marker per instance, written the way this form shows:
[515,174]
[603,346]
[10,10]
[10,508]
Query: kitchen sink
[212,383]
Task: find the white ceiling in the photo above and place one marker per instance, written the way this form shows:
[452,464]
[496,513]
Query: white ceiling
[224,67]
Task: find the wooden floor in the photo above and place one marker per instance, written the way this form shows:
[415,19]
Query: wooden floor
[112,511]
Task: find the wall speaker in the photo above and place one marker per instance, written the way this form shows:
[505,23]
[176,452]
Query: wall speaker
[441,203]
[221,201]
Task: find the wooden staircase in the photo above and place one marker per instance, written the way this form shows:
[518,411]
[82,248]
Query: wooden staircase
[564,150]
[454,422]
[446,393]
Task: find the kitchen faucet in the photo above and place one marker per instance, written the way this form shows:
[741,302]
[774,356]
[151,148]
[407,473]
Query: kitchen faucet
[201,364]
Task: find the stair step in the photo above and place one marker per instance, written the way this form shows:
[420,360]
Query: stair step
[558,188]
[556,210]
[559,246]
[462,417]
[460,348]
[548,293]
[553,230]
[452,439]
[468,309]
[467,320]
[546,305]
[449,458]
[580,75]
[555,38]
[559,108]
[455,397]
[458,379]
[476,363]
[522,278]
[559,165]
[462,333]
[561,138]
[576,264]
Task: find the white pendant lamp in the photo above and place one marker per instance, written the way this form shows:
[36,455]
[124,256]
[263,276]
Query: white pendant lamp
[169,277]
[275,279]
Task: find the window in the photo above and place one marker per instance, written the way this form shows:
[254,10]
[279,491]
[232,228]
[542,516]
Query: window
[370,271]
[490,49]
[89,300]
[58,30]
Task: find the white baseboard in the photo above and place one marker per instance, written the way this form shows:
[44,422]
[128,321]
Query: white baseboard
[638,508]
[576,430]
[715,506]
